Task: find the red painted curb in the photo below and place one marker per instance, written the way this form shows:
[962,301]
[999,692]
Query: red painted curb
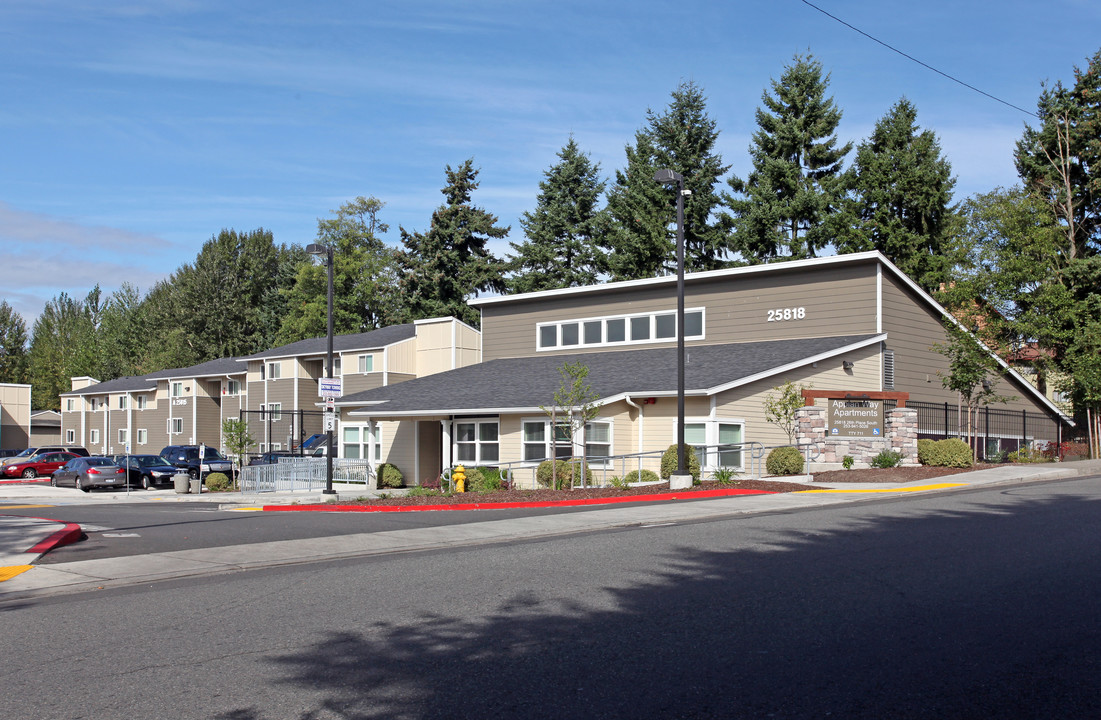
[514,505]
[65,536]
[25,482]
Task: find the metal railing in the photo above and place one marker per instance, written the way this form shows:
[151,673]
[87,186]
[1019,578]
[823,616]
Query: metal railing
[745,459]
[307,474]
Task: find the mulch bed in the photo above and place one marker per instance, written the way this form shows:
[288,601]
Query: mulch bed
[890,475]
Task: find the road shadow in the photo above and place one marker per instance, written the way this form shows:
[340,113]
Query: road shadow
[989,612]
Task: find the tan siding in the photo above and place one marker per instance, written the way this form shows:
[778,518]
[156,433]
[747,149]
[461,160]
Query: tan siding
[354,383]
[912,329]
[398,446]
[838,299]
[402,357]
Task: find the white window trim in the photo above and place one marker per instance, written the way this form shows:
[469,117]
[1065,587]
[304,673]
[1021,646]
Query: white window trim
[711,437]
[372,430]
[124,436]
[477,442]
[143,436]
[177,422]
[275,370]
[122,402]
[173,387]
[233,387]
[362,361]
[93,436]
[69,404]
[627,317]
[141,402]
[581,441]
[70,437]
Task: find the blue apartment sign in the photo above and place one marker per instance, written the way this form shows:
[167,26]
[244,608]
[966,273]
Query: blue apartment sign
[329,387]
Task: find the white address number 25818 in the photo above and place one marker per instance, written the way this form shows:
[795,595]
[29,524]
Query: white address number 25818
[797,313]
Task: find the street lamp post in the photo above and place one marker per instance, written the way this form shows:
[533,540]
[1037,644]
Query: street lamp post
[327,252]
[669,177]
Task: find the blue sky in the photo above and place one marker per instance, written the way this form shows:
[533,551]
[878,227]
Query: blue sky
[131,131]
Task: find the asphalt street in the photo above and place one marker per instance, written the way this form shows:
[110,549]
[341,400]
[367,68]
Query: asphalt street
[974,604]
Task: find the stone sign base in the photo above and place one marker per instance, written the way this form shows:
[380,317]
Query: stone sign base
[900,435]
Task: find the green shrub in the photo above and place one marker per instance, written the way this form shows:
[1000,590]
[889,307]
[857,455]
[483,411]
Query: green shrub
[952,452]
[784,461]
[218,482]
[641,476]
[887,459]
[484,480]
[669,462]
[924,448]
[566,473]
[847,462]
[389,476]
[1028,455]
[421,491]
[725,476]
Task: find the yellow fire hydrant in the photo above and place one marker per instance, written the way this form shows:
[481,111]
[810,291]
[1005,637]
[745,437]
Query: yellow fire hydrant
[459,476]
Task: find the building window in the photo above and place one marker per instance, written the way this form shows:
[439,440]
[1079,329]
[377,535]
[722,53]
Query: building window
[93,436]
[177,389]
[477,442]
[175,426]
[718,443]
[638,328]
[143,436]
[366,363]
[70,437]
[361,442]
[92,404]
[141,402]
[122,402]
[274,371]
[124,436]
[69,404]
[233,387]
[536,440]
[888,369]
[263,374]
[337,368]
[276,411]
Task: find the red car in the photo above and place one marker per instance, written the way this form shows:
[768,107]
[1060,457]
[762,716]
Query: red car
[44,464]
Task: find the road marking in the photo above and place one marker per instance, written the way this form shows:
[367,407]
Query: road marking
[919,488]
[121,535]
[16,507]
[95,528]
[243,509]
[7,573]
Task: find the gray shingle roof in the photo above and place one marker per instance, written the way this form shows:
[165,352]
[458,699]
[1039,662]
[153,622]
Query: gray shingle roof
[123,384]
[220,366]
[357,341]
[528,382]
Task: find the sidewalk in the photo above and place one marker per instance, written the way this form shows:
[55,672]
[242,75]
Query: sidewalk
[116,572]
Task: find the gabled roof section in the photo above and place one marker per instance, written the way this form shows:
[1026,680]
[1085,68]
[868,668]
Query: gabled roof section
[523,384]
[774,267]
[123,384]
[211,368]
[372,340]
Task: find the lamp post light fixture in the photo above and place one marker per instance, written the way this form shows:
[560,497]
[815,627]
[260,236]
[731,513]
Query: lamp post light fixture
[326,251]
[666,176]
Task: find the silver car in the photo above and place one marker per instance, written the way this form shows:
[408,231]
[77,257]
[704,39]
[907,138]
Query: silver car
[85,473]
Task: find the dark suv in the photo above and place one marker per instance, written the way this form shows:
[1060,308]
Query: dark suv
[186,458]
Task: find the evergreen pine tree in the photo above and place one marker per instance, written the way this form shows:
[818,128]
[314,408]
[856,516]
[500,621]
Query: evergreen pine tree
[441,267]
[560,249]
[13,345]
[791,203]
[642,241]
[903,194]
